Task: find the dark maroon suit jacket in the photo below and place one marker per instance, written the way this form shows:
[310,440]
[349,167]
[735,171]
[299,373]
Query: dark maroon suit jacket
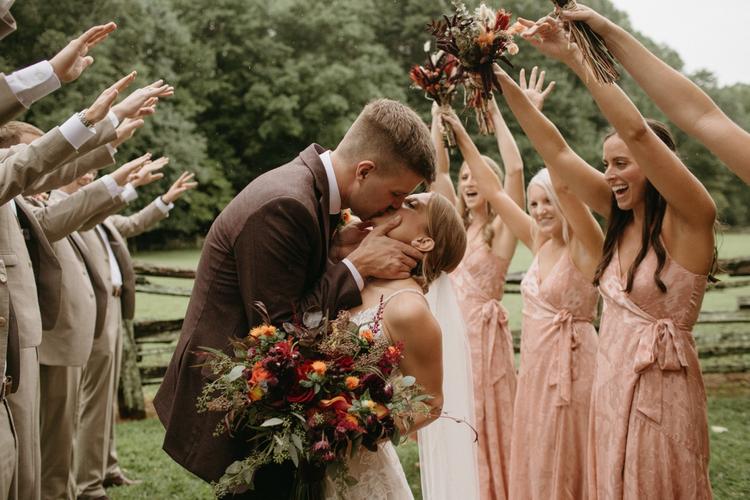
[269,244]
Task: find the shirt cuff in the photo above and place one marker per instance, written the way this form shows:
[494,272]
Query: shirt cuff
[355,274]
[112,150]
[75,132]
[129,193]
[32,83]
[113,118]
[112,186]
[163,206]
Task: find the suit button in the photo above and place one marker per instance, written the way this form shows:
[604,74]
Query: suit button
[2,321]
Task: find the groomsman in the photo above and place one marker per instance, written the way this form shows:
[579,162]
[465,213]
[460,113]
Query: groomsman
[95,448]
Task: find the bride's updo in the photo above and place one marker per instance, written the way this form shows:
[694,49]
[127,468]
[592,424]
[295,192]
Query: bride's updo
[445,227]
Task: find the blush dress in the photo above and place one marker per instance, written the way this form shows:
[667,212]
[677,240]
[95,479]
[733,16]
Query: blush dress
[648,433]
[558,353]
[479,282]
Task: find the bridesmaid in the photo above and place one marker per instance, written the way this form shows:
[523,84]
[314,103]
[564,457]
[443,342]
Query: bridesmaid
[479,282]
[648,433]
[558,346]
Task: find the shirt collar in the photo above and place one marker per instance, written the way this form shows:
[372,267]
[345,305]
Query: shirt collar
[334,197]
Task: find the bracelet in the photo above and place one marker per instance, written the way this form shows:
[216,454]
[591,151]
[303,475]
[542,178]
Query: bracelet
[82,117]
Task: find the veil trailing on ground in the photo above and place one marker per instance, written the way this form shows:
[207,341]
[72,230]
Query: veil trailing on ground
[447,447]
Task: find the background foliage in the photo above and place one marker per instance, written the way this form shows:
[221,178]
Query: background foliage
[259,80]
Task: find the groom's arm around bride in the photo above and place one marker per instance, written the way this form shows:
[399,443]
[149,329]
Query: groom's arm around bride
[271,244]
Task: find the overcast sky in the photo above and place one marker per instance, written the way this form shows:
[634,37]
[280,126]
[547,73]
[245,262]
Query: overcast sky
[710,34]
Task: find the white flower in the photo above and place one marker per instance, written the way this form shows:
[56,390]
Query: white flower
[484,14]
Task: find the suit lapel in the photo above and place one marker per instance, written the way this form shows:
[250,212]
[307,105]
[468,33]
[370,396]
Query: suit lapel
[101,292]
[311,158]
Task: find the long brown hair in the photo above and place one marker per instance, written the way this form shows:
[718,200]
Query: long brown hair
[656,207]
[488,233]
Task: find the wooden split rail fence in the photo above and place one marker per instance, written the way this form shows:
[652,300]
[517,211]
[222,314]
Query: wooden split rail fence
[722,337]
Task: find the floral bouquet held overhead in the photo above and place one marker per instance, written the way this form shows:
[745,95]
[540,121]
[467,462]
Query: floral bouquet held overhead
[595,53]
[314,392]
[477,40]
[439,78]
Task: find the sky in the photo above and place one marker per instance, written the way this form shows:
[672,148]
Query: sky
[710,34]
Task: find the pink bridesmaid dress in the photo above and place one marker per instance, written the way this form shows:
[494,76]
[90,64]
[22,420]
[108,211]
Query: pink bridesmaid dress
[479,282]
[648,437]
[558,353]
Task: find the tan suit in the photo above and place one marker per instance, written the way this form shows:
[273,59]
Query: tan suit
[50,161]
[95,449]
[8,357]
[10,106]
[66,347]
[34,278]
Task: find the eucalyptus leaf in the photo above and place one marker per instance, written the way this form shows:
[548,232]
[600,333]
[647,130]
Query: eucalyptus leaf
[408,381]
[312,318]
[235,373]
[271,422]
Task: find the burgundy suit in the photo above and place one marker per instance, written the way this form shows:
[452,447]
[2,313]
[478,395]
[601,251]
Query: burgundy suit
[270,244]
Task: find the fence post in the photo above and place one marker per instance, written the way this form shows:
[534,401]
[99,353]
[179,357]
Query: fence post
[130,396]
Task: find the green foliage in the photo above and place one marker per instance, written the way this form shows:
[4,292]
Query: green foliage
[257,81]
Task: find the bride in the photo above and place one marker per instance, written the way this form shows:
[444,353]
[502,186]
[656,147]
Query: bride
[431,225]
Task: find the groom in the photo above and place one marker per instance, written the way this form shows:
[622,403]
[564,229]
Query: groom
[273,243]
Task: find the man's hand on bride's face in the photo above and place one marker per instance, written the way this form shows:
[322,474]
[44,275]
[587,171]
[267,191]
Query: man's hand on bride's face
[347,239]
[379,256]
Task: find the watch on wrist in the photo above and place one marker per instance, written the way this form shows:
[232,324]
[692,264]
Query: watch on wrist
[82,116]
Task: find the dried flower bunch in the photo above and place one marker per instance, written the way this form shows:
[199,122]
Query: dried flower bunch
[439,78]
[477,40]
[594,50]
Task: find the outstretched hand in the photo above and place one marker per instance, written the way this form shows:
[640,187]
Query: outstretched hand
[534,90]
[596,21]
[123,173]
[126,130]
[73,59]
[148,173]
[183,183]
[142,102]
[379,256]
[548,36]
[101,106]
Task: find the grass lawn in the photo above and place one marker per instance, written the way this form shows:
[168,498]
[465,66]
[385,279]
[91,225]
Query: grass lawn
[139,443]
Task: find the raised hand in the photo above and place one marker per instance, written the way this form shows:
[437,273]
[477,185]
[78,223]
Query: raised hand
[122,174]
[72,60]
[101,106]
[548,36]
[126,130]
[148,173]
[535,90]
[379,256]
[183,183]
[135,105]
[596,21]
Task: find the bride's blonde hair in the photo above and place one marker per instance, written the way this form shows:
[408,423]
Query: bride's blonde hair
[445,227]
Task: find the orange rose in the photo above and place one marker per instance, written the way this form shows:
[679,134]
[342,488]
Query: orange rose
[259,374]
[255,393]
[263,331]
[319,367]
[351,383]
[366,335]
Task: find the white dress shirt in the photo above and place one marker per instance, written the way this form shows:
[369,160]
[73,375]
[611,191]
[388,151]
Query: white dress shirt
[334,208]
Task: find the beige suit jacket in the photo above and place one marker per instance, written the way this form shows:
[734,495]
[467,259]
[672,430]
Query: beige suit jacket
[83,303]
[10,106]
[50,161]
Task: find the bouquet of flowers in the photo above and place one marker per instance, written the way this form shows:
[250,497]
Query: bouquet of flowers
[314,392]
[595,53]
[439,79]
[477,40]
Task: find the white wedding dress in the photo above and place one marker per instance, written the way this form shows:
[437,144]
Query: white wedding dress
[379,474]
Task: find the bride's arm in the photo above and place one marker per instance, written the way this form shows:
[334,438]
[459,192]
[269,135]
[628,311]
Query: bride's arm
[410,321]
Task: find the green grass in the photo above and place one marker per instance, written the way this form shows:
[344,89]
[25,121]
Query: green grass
[139,443]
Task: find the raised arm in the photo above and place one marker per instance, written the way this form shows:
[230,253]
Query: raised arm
[443,183]
[410,321]
[519,222]
[509,154]
[684,103]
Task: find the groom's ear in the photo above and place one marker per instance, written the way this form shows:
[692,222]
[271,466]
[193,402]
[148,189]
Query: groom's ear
[365,168]
[423,243]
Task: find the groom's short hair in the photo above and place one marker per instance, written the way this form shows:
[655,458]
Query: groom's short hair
[390,133]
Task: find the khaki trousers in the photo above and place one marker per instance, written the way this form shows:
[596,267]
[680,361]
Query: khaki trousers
[59,418]
[8,453]
[24,406]
[113,465]
[95,408]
